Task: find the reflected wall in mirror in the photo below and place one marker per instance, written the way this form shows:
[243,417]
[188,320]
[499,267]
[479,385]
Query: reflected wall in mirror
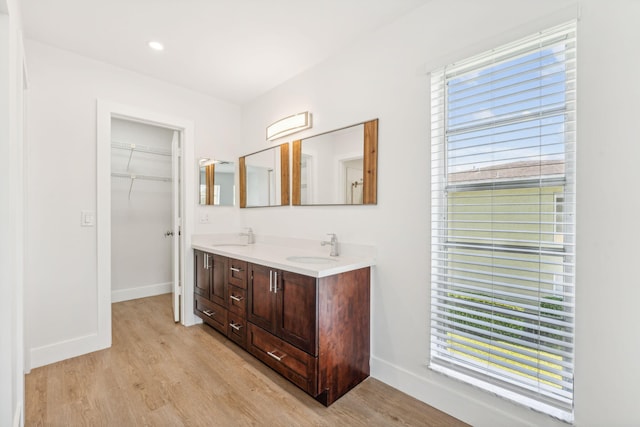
[337,167]
[264,178]
[217,186]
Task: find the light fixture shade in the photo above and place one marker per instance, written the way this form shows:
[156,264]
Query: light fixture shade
[289,125]
[205,161]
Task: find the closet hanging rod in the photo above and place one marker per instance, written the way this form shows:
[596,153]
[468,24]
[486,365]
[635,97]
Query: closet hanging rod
[140,148]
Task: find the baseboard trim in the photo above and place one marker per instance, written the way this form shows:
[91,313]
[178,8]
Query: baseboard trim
[465,402]
[52,353]
[120,295]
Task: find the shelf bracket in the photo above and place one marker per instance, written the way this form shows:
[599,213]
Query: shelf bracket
[133,147]
[133,178]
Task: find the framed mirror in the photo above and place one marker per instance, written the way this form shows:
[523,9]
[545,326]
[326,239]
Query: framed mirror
[337,167]
[216,183]
[264,178]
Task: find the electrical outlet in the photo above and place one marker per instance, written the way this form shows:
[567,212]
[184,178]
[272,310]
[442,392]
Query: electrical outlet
[204,218]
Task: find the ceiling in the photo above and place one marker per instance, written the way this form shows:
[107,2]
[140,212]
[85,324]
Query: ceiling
[231,49]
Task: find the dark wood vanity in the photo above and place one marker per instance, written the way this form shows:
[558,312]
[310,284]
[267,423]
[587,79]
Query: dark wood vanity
[313,331]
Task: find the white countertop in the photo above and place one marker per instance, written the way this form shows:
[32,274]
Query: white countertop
[274,253]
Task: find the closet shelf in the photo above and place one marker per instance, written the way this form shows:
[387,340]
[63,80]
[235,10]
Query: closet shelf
[141,148]
[133,177]
[138,176]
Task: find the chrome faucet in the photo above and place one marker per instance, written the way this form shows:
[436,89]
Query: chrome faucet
[334,244]
[251,238]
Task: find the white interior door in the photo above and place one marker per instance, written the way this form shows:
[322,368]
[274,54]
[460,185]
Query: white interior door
[176,256]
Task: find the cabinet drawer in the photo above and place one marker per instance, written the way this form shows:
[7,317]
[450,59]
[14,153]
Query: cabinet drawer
[212,314]
[237,302]
[291,362]
[237,329]
[237,273]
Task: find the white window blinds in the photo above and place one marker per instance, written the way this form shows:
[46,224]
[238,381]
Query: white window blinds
[503,220]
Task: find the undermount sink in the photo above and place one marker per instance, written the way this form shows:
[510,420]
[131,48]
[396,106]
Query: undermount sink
[311,259]
[228,244]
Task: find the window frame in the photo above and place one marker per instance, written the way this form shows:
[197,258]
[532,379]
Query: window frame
[441,212]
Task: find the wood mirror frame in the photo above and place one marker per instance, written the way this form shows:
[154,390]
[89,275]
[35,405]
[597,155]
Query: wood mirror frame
[284,177]
[211,174]
[370,165]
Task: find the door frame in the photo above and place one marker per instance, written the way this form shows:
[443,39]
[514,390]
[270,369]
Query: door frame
[342,173]
[107,110]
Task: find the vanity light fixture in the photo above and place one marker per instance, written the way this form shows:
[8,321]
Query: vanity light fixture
[155,45]
[205,161]
[289,125]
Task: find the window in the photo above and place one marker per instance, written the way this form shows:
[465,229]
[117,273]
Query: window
[503,220]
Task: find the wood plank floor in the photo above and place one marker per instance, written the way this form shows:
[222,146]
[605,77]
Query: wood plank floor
[158,373]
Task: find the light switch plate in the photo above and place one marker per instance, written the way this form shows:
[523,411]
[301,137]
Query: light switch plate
[88,218]
[204,218]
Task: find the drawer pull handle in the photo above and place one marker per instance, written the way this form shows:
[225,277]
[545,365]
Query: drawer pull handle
[234,326]
[235,270]
[275,282]
[209,313]
[272,354]
[235,298]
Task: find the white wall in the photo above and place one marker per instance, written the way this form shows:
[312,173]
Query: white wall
[61,276]
[11,215]
[385,76]
[141,260]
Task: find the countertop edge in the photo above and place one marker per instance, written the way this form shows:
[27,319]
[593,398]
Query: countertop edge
[276,260]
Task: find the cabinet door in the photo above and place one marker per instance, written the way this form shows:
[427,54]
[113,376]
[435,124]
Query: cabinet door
[261,309]
[201,260]
[218,280]
[297,311]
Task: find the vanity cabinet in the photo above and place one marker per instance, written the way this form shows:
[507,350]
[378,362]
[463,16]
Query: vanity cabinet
[313,331]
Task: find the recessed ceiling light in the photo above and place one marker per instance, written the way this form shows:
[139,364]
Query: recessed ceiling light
[156,45]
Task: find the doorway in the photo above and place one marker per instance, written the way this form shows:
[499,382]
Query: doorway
[181,183]
[353,181]
[144,221]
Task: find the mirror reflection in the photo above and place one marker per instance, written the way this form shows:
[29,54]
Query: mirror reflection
[264,178]
[337,167]
[217,186]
